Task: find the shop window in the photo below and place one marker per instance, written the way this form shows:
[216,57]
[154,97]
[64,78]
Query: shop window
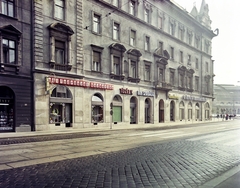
[117,109]
[97,108]
[189,111]
[181,111]
[60,45]
[197,112]
[60,107]
[207,111]
[8,7]
[10,39]
[96,64]
[7,118]
[133,110]
[59,9]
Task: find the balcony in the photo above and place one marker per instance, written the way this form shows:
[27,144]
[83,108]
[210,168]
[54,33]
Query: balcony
[163,86]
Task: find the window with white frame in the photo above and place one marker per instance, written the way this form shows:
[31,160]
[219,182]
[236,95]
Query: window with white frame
[96,63]
[116,31]
[146,15]
[133,69]
[8,7]
[96,23]
[59,9]
[147,43]
[189,59]
[132,7]
[60,45]
[60,52]
[132,38]
[9,41]
[116,64]
[147,72]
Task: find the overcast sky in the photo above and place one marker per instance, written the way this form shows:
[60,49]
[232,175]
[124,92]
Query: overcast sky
[225,16]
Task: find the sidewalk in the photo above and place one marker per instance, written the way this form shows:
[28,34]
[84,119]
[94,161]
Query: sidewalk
[230,179]
[170,125]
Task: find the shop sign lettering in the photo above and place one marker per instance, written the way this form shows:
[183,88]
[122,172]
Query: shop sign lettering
[172,96]
[145,93]
[126,91]
[191,98]
[5,101]
[79,83]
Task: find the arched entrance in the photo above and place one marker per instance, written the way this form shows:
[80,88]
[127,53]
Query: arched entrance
[97,108]
[181,111]
[189,111]
[207,111]
[61,106]
[197,112]
[172,111]
[117,109]
[147,110]
[133,110]
[161,111]
[7,109]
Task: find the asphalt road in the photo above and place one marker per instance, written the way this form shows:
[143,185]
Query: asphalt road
[179,157]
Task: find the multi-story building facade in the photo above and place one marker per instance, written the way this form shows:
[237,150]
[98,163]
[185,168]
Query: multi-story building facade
[226,99]
[15,66]
[122,62]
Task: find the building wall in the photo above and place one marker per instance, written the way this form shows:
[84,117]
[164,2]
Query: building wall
[93,100]
[16,76]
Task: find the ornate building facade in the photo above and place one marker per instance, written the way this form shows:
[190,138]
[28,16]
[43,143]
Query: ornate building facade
[16,82]
[98,63]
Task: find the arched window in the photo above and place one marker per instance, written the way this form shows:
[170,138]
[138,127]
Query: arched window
[61,106]
[133,110]
[97,108]
[117,109]
[189,111]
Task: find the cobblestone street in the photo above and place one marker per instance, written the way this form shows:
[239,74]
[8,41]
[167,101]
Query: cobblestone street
[186,162]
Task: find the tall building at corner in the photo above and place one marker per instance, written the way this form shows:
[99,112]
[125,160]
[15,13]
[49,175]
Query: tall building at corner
[105,62]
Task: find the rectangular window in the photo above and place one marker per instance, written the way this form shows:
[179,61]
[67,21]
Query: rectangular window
[9,51]
[133,69]
[147,43]
[181,57]
[196,83]
[160,22]
[59,52]
[132,7]
[196,63]
[116,3]
[189,59]
[59,9]
[189,39]
[161,75]
[146,15]
[147,73]
[181,81]
[133,38]
[181,34]
[172,53]
[96,64]
[116,31]
[207,69]
[171,29]
[172,78]
[116,64]
[96,23]
[8,7]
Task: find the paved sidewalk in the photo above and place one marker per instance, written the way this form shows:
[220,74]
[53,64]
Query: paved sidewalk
[159,126]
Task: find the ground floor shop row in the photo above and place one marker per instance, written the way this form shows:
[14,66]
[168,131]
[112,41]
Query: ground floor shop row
[78,103]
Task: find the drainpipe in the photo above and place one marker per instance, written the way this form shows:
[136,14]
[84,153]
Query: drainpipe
[33,128]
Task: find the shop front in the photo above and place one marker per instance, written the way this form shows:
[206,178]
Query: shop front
[7,118]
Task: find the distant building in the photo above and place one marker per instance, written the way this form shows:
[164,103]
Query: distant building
[123,62]
[16,83]
[226,99]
